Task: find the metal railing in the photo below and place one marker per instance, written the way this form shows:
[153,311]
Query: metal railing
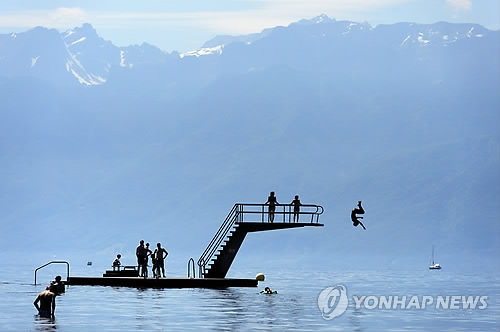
[248,212]
[54,262]
[282,213]
[191,263]
[217,240]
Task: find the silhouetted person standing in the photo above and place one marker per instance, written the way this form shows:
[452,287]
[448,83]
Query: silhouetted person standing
[140,252]
[147,252]
[161,254]
[156,270]
[271,200]
[296,208]
[354,217]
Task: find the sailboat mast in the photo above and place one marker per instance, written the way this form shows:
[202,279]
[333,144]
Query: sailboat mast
[432,255]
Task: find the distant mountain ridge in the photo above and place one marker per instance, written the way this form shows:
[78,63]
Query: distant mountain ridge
[81,55]
[437,33]
[79,52]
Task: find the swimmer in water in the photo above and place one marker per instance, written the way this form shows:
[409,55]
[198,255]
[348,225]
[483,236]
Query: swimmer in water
[268,290]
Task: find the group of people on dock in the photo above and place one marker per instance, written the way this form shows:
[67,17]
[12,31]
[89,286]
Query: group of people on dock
[143,254]
[45,302]
[273,202]
[158,256]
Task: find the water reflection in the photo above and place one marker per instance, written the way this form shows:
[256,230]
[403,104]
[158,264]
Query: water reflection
[229,308]
[45,324]
[142,309]
[268,309]
[355,319]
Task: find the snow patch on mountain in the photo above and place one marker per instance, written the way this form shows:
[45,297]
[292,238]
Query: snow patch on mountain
[320,19]
[33,61]
[78,41]
[421,39]
[204,51]
[122,58]
[74,67]
[404,41]
[439,35]
[83,77]
[469,34]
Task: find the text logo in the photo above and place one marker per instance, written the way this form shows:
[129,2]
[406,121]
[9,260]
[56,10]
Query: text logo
[332,301]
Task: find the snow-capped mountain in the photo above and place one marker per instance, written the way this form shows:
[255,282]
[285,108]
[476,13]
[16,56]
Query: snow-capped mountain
[81,56]
[89,56]
[328,29]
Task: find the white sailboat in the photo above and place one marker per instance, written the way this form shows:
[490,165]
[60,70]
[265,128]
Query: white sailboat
[434,266]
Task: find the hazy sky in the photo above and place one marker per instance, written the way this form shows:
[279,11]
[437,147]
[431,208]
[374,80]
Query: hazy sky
[186,25]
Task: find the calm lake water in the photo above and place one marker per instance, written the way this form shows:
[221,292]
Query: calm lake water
[295,308]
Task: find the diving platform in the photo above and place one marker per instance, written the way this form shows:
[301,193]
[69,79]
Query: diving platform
[217,258]
[250,227]
[215,262]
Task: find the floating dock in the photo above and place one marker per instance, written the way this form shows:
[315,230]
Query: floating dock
[215,262]
[138,282]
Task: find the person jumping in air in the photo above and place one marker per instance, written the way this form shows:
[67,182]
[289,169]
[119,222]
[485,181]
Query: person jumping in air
[354,218]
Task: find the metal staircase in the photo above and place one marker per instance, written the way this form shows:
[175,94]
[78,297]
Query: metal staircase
[245,218]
